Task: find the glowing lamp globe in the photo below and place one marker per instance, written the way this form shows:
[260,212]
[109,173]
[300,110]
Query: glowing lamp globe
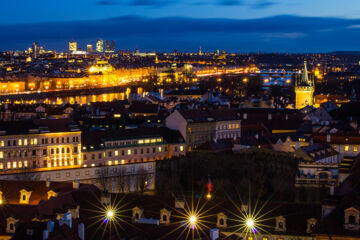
[192,220]
[109,214]
[250,223]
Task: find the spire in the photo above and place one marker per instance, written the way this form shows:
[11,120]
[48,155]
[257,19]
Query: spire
[305,77]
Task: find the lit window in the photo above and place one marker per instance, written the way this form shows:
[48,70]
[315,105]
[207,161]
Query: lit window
[181,148]
[237,125]
[116,162]
[20,164]
[355,148]
[141,141]
[346,148]
[229,126]
[160,149]
[35,141]
[93,164]
[129,151]
[25,142]
[25,163]
[14,164]
[117,115]
[147,140]
[122,161]
[1,155]
[1,166]
[153,140]
[20,142]
[159,140]
[9,165]
[116,153]
[110,162]
[250,238]
[2,144]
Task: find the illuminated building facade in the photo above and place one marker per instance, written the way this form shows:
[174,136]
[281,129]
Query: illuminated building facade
[89,48]
[100,45]
[72,46]
[35,50]
[39,144]
[131,146]
[304,90]
[200,126]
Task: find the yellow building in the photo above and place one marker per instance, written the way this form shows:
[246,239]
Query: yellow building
[304,90]
[72,46]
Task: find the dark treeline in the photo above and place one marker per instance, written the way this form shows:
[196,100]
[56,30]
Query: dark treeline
[264,175]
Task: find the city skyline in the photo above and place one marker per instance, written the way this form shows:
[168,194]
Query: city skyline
[235,26]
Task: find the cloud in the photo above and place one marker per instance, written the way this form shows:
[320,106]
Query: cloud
[157,3]
[289,35]
[353,26]
[230,2]
[106,3]
[262,4]
[280,33]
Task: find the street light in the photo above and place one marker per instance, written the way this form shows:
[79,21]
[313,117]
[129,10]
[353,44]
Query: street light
[110,214]
[250,223]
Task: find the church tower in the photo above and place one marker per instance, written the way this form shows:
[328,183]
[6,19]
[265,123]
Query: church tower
[304,89]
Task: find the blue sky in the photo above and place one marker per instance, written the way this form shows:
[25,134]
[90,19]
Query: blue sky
[299,25]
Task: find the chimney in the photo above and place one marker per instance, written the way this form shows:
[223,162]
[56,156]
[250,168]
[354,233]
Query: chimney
[332,190]
[81,231]
[48,183]
[269,116]
[214,234]
[287,117]
[50,226]
[45,235]
[76,184]
[328,138]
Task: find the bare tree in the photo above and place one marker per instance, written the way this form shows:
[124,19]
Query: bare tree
[103,178]
[123,180]
[142,179]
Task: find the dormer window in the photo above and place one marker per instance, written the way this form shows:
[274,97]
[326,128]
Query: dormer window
[280,224]
[165,216]
[311,225]
[136,213]
[10,224]
[352,219]
[25,196]
[221,220]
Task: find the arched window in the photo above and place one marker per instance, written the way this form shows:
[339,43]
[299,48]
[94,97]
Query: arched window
[221,221]
[164,218]
[11,226]
[137,216]
[352,220]
[281,225]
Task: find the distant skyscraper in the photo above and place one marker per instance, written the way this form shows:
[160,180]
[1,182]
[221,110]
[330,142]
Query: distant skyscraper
[109,47]
[35,50]
[100,45]
[72,46]
[200,51]
[89,48]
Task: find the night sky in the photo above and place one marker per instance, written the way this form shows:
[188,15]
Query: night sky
[165,25]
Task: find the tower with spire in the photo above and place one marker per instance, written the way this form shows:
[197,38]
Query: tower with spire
[304,89]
